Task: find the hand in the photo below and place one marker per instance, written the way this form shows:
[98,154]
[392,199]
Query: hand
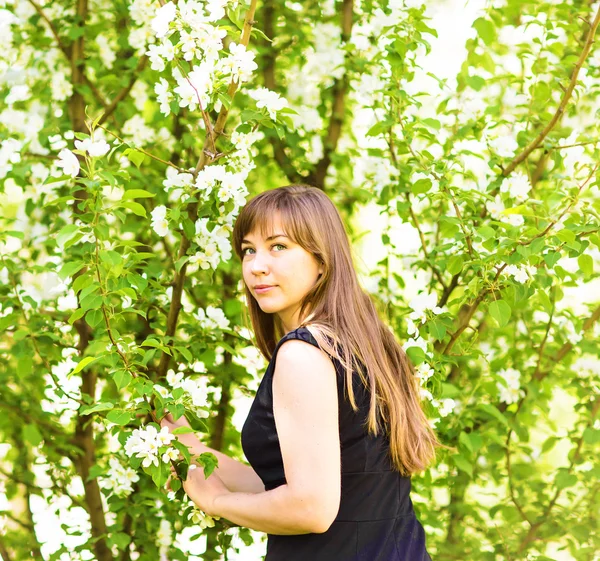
[190,440]
[203,492]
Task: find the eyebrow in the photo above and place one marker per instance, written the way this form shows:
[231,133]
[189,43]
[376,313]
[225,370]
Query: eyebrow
[269,238]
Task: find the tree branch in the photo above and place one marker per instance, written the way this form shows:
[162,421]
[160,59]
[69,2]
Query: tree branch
[336,121]
[204,160]
[125,91]
[270,59]
[563,104]
[532,533]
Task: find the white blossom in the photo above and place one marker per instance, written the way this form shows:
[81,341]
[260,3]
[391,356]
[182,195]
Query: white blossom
[164,97]
[421,303]
[159,222]
[446,407]
[95,148]
[68,162]
[146,443]
[517,186]
[240,63]
[164,16]
[268,99]
[510,392]
[504,146]
[119,478]
[212,318]
[201,519]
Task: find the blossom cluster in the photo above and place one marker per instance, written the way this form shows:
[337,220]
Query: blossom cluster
[119,478]
[148,443]
[195,392]
[199,41]
[212,318]
[510,391]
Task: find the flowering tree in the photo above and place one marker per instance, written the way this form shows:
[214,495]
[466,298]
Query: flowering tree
[132,135]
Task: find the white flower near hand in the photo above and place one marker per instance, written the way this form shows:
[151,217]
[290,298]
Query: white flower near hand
[162,391]
[164,437]
[171,454]
[68,162]
[119,479]
[202,519]
[268,99]
[164,16]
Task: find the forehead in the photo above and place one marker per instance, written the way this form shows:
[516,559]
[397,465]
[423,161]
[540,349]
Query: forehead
[265,228]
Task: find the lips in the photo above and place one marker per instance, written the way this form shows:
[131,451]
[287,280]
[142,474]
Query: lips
[259,286]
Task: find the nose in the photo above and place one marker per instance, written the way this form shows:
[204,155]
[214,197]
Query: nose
[259,264]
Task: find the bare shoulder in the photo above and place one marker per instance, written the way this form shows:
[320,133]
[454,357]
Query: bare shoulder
[296,355]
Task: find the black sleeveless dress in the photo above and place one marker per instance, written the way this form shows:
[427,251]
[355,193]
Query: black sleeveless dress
[376,520]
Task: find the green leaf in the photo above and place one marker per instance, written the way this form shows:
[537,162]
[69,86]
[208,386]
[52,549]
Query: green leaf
[436,329]
[209,461]
[421,186]
[32,435]
[137,194]
[66,234]
[492,412]
[151,343]
[122,378]
[586,264]
[111,257]
[416,355]
[120,539]
[134,207]
[83,363]
[135,157]
[486,30]
[176,409]
[96,407]
[69,269]
[463,464]
[465,441]
[24,366]
[500,311]
[564,479]
[78,313]
[119,417]
[455,264]
[183,430]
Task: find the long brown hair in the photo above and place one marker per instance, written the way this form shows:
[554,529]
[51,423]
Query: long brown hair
[343,319]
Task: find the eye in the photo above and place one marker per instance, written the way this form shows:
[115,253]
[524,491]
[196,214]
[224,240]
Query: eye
[275,244]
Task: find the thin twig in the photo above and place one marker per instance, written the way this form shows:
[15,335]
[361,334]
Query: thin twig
[563,104]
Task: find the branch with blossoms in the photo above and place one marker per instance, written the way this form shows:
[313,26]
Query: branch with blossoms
[589,41]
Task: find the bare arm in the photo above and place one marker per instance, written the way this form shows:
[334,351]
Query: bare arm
[237,476]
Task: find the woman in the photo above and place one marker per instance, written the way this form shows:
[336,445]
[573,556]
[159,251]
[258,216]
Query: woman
[336,428]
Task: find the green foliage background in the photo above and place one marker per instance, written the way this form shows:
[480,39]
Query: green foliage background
[448,163]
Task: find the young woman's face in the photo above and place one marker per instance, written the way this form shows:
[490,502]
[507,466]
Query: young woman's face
[288,268]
